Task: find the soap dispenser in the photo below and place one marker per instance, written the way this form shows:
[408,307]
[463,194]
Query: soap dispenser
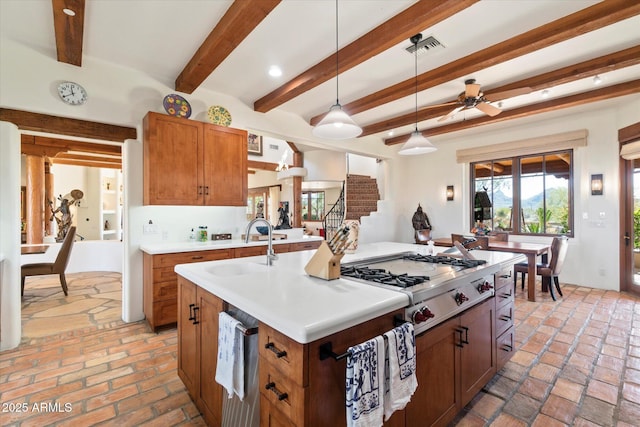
[192,236]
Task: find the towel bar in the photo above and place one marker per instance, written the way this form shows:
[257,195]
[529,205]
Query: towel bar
[246,331]
[326,349]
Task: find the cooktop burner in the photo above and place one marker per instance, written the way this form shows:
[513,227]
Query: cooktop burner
[440,259]
[380,275]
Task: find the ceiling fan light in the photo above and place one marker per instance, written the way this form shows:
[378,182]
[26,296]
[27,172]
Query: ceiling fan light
[337,125]
[417,144]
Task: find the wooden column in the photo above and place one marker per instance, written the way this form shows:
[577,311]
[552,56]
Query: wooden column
[35,199]
[298,161]
[48,196]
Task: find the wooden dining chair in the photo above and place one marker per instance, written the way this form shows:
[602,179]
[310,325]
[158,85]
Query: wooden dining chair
[57,267]
[476,242]
[499,236]
[547,271]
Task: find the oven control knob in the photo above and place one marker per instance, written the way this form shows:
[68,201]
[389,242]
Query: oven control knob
[486,286]
[460,298]
[422,315]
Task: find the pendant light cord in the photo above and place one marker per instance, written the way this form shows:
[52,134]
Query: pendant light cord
[415,55]
[337,93]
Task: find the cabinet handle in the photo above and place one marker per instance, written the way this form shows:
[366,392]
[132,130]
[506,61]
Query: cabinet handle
[206,190]
[195,315]
[199,190]
[506,276]
[505,317]
[272,386]
[507,348]
[464,340]
[192,316]
[197,257]
[505,296]
[272,347]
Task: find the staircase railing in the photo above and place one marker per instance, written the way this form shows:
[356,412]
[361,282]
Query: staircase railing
[335,217]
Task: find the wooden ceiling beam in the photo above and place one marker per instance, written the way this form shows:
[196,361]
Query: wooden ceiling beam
[589,19]
[37,122]
[71,145]
[622,89]
[592,67]
[242,17]
[265,166]
[423,14]
[86,163]
[69,30]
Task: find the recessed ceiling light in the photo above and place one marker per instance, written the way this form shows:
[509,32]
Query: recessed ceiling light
[545,93]
[275,71]
[597,80]
[390,133]
[69,12]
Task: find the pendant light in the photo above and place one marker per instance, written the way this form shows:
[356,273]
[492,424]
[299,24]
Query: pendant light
[337,124]
[416,144]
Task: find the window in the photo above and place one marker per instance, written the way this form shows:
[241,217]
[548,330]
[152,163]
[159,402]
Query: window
[536,187]
[313,205]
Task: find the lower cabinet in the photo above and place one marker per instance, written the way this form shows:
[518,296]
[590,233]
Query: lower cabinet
[198,312]
[454,361]
[505,310]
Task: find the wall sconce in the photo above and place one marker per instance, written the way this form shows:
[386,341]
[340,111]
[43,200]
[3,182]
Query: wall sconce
[596,184]
[449,193]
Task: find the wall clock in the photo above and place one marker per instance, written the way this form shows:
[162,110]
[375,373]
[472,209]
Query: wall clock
[72,93]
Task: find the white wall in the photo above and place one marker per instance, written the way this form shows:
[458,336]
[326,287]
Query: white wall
[593,257]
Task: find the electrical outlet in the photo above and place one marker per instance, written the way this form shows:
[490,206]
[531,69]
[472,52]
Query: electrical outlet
[150,229]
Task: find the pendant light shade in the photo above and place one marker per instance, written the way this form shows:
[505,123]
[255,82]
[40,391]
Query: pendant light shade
[337,124]
[417,143]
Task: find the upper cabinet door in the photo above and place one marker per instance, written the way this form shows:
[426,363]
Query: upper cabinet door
[225,166]
[173,153]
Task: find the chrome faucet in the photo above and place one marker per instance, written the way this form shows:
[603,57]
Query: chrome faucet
[271,255]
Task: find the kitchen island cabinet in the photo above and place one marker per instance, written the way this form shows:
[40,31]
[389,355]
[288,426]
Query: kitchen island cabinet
[193,163]
[299,314]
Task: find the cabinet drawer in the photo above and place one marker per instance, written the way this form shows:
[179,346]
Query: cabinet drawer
[270,416]
[504,295]
[504,278]
[250,251]
[282,248]
[171,260]
[284,354]
[505,347]
[504,318]
[303,246]
[164,274]
[282,393]
[165,312]
[165,290]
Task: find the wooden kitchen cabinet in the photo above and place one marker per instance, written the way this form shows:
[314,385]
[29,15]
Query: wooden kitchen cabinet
[198,348]
[505,310]
[299,389]
[160,282]
[193,163]
[454,361]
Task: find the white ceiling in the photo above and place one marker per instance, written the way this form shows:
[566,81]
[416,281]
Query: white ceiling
[158,37]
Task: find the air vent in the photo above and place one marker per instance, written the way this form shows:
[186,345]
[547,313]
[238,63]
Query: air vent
[427,45]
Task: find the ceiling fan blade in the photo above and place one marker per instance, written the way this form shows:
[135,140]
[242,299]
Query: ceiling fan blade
[506,94]
[451,113]
[488,109]
[471,90]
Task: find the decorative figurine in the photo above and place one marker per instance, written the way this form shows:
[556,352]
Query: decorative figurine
[283,221]
[64,220]
[420,220]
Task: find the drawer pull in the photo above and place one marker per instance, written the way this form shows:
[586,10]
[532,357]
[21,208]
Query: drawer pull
[272,347]
[506,296]
[507,348]
[505,317]
[197,257]
[272,386]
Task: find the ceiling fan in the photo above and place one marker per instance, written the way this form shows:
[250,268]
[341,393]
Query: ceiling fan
[472,97]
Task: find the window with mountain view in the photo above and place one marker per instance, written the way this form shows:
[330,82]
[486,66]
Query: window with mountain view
[524,195]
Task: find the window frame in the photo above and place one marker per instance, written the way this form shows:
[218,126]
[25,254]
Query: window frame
[516,178]
[308,196]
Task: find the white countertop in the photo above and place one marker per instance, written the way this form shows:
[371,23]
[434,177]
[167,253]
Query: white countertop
[173,247]
[302,307]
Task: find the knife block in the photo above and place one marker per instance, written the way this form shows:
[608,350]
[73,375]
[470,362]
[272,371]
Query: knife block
[324,263]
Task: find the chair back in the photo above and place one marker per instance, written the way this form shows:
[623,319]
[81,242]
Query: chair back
[62,260]
[423,236]
[500,236]
[559,247]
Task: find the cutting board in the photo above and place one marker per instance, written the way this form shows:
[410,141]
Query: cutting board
[258,237]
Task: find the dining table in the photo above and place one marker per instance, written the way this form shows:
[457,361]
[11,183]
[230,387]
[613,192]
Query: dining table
[531,250]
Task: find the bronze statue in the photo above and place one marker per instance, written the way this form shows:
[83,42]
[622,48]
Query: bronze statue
[420,220]
[64,220]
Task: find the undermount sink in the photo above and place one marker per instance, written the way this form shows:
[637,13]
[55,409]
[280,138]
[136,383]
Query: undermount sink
[227,270]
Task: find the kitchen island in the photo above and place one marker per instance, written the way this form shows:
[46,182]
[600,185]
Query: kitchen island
[297,315]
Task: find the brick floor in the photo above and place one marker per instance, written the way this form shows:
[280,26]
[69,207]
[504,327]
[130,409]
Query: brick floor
[577,364]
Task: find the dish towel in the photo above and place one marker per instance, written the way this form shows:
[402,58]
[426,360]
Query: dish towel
[401,368]
[230,367]
[365,383]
